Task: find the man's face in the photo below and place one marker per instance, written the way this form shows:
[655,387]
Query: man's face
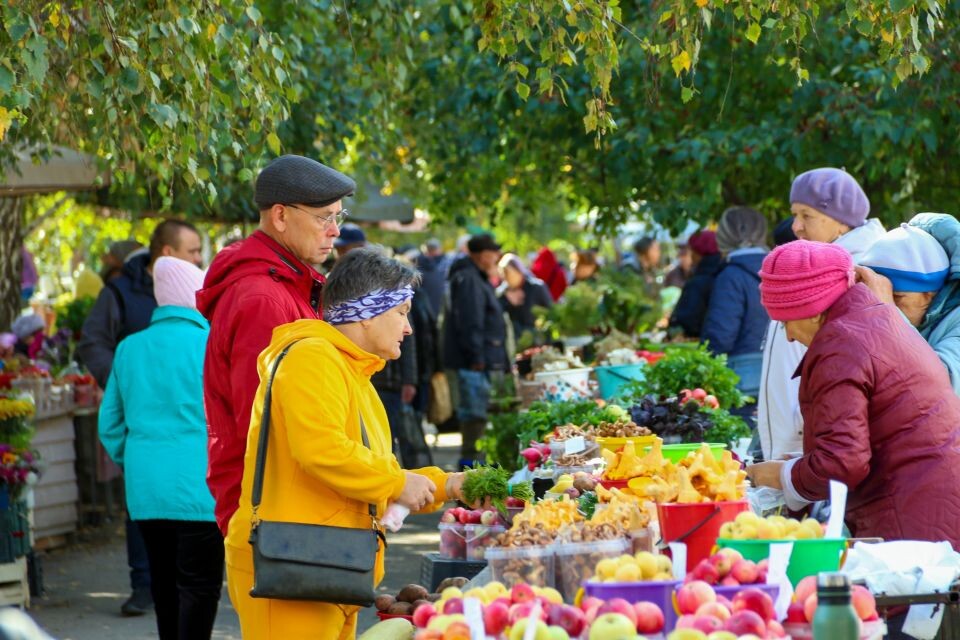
[810,224]
[487,260]
[189,247]
[308,232]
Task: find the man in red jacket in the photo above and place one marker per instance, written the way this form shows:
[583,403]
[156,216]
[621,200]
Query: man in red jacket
[254,286]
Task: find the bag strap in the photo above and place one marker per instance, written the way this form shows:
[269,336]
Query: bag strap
[264,438]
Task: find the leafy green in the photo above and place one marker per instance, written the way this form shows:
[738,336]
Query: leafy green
[727,427]
[614,301]
[484,482]
[689,369]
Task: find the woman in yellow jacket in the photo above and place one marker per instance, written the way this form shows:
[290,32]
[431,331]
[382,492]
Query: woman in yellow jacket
[318,471]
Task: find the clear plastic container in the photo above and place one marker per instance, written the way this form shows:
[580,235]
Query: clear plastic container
[512,565]
[481,536]
[576,561]
[453,541]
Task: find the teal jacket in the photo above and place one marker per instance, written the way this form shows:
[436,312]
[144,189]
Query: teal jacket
[152,422]
[941,324]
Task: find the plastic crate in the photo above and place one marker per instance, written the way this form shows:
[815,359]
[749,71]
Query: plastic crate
[434,570]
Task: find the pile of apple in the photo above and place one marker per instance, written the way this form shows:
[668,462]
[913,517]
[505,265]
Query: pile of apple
[507,612]
[728,568]
[643,566]
[699,396]
[749,526]
[453,542]
[805,602]
[749,614]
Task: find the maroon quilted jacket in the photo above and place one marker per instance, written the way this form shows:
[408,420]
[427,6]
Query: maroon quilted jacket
[880,416]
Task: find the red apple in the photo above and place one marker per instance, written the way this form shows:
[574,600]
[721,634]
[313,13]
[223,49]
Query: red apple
[725,601]
[745,572]
[805,588]
[474,517]
[518,612]
[707,624]
[699,394]
[449,517]
[649,617]
[863,601]
[745,622]
[795,613]
[775,630]
[810,607]
[752,599]
[706,571]
[522,593]
[733,554]
[592,613]
[496,616]
[764,565]
[621,606]
[693,594]
[423,614]
[489,518]
[504,601]
[712,402]
[589,602]
[729,581]
[686,621]
[453,605]
[714,609]
[723,563]
[568,618]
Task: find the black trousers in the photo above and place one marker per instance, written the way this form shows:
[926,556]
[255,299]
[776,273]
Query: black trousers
[186,576]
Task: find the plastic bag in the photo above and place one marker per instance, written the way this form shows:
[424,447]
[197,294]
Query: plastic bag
[765,501]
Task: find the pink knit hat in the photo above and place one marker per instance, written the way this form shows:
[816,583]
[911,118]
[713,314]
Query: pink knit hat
[176,282]
[802,279]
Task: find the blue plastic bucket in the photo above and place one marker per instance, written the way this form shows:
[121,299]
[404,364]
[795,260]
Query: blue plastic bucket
[614,378]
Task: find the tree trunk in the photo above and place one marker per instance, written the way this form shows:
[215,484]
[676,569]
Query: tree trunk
[11,264]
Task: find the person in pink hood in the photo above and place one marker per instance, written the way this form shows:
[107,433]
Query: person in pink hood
[879,412]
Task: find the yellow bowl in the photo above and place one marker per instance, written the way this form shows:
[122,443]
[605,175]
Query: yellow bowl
[614,444]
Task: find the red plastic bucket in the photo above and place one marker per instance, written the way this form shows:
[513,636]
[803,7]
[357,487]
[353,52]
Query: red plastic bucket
[697,525]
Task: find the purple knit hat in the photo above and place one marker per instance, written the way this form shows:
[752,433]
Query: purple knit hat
[834,193]
[802,279]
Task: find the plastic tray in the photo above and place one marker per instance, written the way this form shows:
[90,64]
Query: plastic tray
[659,593]
[576,562]
[512,565]
[479,537]
[453,541]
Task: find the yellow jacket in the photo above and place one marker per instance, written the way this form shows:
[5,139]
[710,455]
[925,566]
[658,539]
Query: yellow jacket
[317,469]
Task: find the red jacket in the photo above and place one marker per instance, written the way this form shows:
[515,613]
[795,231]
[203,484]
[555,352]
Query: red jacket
[881,416]
[546,267]
[252,287]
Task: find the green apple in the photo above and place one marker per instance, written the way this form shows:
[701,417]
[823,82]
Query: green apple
[722,635]
[558,633]
[519,629]
[612,626]
[687,634]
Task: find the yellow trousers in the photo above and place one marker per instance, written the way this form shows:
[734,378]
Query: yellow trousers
[268,619]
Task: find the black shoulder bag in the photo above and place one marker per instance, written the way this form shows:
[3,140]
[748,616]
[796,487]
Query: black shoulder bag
[296,561]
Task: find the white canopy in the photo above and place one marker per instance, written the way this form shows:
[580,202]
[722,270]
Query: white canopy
[64,170]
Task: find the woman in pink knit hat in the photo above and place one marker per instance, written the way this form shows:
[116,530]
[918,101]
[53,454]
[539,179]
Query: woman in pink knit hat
[879,412]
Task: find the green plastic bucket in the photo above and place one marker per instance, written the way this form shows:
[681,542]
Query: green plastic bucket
[677,452]
[809,557]
[615,377]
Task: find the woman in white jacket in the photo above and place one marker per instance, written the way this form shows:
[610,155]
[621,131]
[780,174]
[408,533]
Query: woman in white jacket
[828,206]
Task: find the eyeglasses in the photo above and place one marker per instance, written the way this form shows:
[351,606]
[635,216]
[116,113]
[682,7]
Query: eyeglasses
[334,218]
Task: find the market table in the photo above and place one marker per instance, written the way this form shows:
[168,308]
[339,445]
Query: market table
[949,627]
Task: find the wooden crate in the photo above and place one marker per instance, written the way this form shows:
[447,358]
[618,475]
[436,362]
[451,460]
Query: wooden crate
[14,587]
[55,495]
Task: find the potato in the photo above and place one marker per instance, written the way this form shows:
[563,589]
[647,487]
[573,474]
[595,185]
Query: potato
[400,609]
[433,597]
[452,582]
[384,602]
[411,593]
[418,603]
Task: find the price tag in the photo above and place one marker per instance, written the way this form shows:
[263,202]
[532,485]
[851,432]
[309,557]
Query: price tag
[530,633]
[574,445]
[777,574]
[679,552]
[473,612]
[838,509]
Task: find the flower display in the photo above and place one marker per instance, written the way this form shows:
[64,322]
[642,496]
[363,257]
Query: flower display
[19,467]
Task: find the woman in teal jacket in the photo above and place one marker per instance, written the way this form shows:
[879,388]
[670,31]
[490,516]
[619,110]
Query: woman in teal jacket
[152,424]
[917,268]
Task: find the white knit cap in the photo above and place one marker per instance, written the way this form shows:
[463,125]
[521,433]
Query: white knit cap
[911,258]
[176,282]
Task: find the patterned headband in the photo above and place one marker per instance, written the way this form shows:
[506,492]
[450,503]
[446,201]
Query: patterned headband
[367,306]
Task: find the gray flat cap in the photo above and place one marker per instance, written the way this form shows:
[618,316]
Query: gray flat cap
[297,180]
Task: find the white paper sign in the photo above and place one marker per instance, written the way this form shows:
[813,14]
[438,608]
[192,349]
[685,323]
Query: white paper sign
[473,612]
[574,445]
[838,509]
[777,574]
[679,552]
[530,633]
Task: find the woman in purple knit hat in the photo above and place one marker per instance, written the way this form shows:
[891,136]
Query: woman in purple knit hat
[879,412]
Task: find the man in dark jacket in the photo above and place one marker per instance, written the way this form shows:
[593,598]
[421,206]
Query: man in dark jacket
[125,306]
[432,264]
[691,308]
[254,286]
[474,337]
